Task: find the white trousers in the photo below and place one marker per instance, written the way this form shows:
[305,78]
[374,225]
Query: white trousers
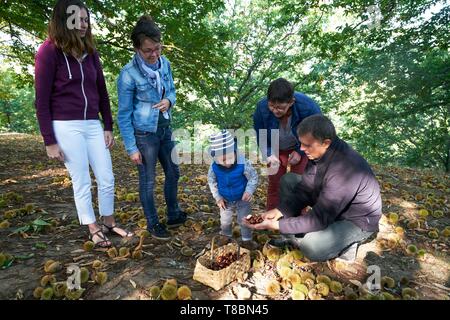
[83,144]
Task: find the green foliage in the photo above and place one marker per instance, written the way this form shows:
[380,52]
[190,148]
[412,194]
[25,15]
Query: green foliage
[389,84]
[385,84]
[37,225]
[16,104]
[263,43]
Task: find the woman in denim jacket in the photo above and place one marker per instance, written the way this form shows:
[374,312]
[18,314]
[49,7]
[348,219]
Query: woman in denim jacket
[146,96]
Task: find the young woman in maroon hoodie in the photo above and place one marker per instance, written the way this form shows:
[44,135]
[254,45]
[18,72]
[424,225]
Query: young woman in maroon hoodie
[70,93]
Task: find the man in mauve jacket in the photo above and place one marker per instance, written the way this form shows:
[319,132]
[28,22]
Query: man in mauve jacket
[339,186]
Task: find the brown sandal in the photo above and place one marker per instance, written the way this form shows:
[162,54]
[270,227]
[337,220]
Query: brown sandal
[102,244]
[111,229]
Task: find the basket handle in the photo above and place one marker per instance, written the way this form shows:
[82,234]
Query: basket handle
[212,247]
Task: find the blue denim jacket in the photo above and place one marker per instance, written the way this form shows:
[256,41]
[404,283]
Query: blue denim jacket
[137,96]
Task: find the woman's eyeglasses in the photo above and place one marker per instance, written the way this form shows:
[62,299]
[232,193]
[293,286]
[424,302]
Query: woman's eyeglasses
[279,106]
[148,51]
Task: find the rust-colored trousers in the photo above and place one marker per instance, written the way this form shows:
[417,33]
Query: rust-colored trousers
[273,189]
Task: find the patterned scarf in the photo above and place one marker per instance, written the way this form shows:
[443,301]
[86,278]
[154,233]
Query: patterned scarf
[153,76]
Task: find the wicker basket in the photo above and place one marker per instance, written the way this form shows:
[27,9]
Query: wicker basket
[217,279]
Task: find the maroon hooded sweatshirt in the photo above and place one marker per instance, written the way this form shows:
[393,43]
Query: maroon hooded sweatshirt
[67,89]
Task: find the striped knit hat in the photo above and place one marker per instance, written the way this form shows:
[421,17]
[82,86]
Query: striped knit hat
[222,143]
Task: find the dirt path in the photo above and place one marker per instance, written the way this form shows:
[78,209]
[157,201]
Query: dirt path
[34,189]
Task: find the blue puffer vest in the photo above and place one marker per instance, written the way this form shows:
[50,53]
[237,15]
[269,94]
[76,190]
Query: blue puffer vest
[231,181]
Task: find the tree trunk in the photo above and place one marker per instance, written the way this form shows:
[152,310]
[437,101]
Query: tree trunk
[447,158]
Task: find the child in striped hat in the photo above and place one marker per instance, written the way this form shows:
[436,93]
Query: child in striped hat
[232,181]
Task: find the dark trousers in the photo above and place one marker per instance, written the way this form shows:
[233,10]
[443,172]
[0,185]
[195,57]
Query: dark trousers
[155,146]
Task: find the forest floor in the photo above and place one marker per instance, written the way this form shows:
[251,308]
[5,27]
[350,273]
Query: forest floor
[38,223]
